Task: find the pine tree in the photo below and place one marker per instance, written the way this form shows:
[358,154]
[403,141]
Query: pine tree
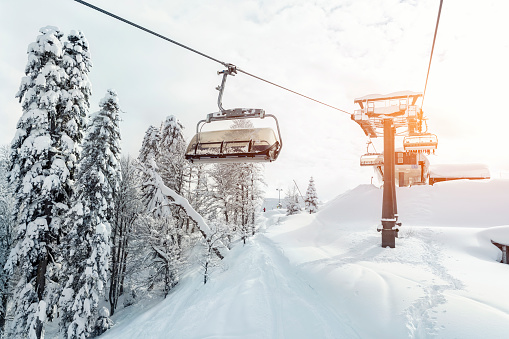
[292,201]
[90,221]
[75,94]
[43,156]
[311,200]
[171,159]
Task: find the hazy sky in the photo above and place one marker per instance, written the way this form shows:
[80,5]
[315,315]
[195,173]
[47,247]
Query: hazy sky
[333,51]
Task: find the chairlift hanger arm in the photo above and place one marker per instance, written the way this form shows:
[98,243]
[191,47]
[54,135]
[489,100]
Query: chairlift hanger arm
[232,70]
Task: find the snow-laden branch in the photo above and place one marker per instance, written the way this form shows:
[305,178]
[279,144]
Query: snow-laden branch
[205,230]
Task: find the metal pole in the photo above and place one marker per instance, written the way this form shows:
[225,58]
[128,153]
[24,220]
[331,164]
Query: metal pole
[389,192]
[279,190]
[394,202]
[298,189]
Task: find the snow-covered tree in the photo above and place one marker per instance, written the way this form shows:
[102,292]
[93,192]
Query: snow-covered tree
[199,193]
[311,200]
[238,190]
[171,159]
[43,156]
[90,222]
[128,208]
[292,201]
[103,323]
[165,229]
[6,234]
[172,163]
[76,93]
[209,259]
[159,229]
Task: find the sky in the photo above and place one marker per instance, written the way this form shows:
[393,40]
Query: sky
[333,51]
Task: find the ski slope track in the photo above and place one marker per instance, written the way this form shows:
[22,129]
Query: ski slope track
[326,276]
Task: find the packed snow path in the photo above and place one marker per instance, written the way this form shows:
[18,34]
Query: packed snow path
[259,295]
[326,276]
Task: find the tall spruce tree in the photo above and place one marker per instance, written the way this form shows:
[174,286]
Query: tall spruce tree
[43,156]
[90,221]
[76,93]
[171,159]
[311,200]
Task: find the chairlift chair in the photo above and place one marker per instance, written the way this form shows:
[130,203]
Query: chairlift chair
[372,159]
[425,142]
[234,145]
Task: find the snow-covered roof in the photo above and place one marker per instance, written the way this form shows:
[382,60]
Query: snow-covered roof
[499,235]
[393,95]
[459,171]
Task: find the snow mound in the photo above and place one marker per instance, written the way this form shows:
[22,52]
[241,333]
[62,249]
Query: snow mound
[464,203]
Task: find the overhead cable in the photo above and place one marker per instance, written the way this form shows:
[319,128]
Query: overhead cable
[432,48]
[228,65]
[289,90]
[149,31]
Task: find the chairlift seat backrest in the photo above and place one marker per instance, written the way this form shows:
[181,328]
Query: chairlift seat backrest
[234,145]
[372,159]
[421,142]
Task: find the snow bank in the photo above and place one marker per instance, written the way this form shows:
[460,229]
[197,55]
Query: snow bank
[462,203]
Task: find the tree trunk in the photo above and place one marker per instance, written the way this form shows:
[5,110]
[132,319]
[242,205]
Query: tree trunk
[113,278]
[4,306]
[205,274]
[40,284]
[124,265]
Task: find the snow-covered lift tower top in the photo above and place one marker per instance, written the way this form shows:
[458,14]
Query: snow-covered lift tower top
[399,106]
[402,108]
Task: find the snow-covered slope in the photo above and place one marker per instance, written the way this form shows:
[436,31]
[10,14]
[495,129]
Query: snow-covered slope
[326,276]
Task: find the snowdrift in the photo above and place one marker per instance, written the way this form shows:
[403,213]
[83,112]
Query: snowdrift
[466,203]
[326,276]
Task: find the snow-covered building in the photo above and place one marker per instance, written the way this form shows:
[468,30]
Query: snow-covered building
[447,172]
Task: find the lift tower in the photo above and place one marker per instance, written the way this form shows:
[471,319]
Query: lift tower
[385,116]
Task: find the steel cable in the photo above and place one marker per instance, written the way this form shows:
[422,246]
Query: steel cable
[228,65]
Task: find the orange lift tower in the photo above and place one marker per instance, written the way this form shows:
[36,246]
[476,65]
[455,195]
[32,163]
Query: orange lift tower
[385,116]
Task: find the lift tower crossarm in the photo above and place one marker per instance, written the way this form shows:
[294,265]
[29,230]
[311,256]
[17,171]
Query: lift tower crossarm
[374,108]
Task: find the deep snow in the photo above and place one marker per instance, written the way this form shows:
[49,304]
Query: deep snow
[326,276]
